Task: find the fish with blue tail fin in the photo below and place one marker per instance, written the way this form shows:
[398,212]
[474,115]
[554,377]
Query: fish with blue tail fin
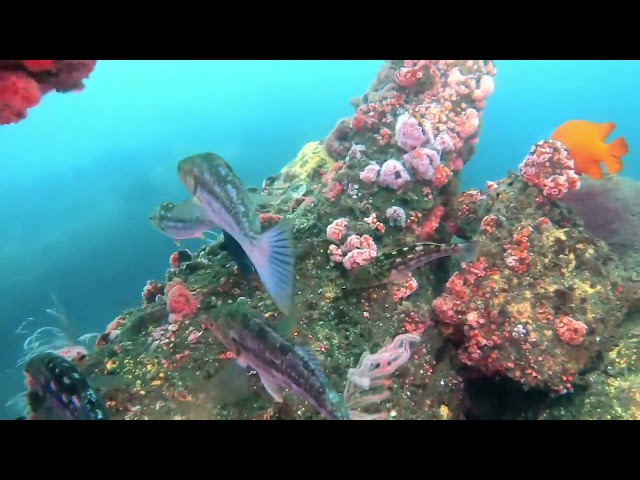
[397,265]
[225,202]
[238,255]
[181,221]
[280,364]
[57,390]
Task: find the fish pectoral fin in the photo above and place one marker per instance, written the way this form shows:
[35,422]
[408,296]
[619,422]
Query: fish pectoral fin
[271,386]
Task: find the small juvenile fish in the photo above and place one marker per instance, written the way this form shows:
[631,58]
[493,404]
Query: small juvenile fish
[58,391]
[396,265]
[180,221]
[280,364]
[225,202]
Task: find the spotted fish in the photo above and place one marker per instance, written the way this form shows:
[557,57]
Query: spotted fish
[58,391]
[180,221]
[280,364]
[225,202]
[397,265]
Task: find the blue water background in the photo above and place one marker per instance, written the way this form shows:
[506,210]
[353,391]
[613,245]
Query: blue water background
[79,177]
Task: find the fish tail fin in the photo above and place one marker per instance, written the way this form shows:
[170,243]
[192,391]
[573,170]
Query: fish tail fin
[273,257]
[615,150]
[467,252]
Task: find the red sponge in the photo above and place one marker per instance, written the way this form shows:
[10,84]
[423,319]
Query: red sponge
[18,92]
[23,82]
[38,65]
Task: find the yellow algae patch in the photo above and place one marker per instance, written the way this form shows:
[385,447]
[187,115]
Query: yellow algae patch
[521,310]
[624,395]
[444,412]
[311,157]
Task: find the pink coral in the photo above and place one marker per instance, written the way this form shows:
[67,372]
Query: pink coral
[370,173]
[393,175]
[409,133]
[444,142]
[362,249]
[441,176]
[406,77]
[337,229]
[403,290]
[422,162]
[374,223]
[484,90]
[431,224]
[569,330]
[550,168]
[468,123]
[181,304]
[335,254]
[332,191]
[357,258]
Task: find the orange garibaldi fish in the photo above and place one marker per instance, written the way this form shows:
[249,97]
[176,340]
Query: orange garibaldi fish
[585,142]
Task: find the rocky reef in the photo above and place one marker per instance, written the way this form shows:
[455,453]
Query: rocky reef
[527,329]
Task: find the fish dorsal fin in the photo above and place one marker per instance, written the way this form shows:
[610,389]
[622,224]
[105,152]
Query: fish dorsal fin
[605,129]
[311,357]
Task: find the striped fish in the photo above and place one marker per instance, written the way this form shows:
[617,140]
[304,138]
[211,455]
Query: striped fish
[397,265]
[280,364]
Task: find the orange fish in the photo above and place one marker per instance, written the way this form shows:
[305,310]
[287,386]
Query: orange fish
[585,142]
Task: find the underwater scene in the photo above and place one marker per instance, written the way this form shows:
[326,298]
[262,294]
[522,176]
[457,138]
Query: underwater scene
[309,240]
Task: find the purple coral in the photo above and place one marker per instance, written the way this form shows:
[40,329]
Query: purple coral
[393,175]
[444,142]
[422,161]
[409,133]
[370,173]
[396,216]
